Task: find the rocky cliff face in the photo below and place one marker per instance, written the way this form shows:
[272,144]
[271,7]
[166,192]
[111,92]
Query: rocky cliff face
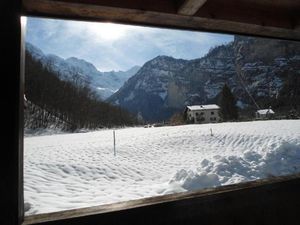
[148,91]
[252,67]
[263,66]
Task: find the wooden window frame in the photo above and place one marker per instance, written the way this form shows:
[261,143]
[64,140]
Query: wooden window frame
[269,201]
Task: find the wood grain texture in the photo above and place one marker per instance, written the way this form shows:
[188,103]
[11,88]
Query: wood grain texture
[264,13]
[190,7]
[80,11]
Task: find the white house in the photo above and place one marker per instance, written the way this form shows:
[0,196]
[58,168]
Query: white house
[264,113]
[202,113]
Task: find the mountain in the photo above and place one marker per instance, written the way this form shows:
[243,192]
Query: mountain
[253,68]
[147,91]
[79,70]
[266,68]
[53,103]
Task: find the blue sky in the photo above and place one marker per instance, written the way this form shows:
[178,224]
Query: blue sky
[117,47]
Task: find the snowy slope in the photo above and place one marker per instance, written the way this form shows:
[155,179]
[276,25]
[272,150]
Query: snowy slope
[78,170]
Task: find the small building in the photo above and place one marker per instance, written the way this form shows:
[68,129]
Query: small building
[264,114]
[202,113]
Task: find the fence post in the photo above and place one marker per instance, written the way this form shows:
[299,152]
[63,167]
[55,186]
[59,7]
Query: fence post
[114,135]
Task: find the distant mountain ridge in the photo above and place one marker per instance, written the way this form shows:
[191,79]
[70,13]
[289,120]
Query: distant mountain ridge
[251,67]
[103,83]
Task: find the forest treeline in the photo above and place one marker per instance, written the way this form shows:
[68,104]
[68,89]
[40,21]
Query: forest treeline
[72,102]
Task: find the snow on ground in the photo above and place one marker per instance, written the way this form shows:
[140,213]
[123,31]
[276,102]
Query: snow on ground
[69,171]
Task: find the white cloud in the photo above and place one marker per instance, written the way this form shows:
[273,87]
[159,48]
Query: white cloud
[97,32]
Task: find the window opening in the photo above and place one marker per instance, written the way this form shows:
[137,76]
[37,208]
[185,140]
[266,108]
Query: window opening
[112,112]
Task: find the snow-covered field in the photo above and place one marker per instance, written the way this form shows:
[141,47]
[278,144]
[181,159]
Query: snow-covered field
[69,171]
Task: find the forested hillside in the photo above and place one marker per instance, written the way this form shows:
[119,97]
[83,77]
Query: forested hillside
[71,102]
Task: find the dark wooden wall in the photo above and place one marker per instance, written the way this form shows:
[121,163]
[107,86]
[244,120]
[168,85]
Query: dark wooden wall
[11,178]
[261,12]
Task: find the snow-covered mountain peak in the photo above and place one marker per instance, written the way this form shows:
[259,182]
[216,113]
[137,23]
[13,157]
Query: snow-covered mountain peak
[54,57]
[103,83]
[161,59]
[84,65]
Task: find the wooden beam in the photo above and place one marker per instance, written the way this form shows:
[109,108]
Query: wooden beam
[253,12]
[190,7]
[166,6]
[77,11]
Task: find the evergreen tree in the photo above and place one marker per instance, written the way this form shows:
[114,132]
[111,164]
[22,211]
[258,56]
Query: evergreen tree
[177,118]
[228,106]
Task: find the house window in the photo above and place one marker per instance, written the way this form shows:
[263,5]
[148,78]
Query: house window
[212,113]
